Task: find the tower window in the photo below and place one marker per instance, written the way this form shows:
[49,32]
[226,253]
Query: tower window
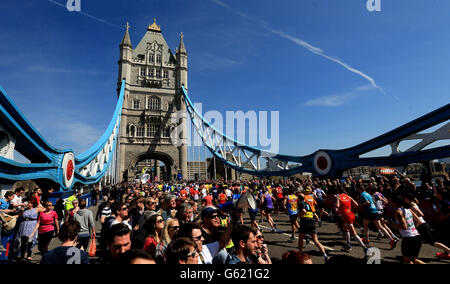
[151,58]
[151,72]
[140,132]
[158,58]
[166,74]
[142,72]
[158,73]
[136,104]
[154,103]
[153,130]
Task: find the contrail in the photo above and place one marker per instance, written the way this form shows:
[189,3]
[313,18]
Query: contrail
[86,14]
[304,44]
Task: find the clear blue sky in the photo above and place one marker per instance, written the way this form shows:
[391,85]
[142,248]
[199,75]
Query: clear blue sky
[337,73]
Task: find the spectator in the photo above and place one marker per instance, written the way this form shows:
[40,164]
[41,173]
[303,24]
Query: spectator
[74,209]
[210,221]
[136,211]
[67,253]
[47,223]
[118,242]
[206,251]
[104,210]
[168,209]
[154,227]
[181,251]
[244,240]
[120,211]
[169,231]
[86,220]
[184,213]
[25,236]
[17,200]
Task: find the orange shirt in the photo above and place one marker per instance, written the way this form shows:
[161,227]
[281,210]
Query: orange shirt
[311,201]
[183,194]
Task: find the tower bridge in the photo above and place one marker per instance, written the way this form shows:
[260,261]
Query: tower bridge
[152,88]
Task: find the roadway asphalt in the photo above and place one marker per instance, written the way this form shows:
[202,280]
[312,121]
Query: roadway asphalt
[329,236]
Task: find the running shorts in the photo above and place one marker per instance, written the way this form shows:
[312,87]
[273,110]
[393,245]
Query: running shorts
[267,210]
[372,216]
[307,227]
[252,215]
[411,246]
[293,218]
[348,218]
[426,234]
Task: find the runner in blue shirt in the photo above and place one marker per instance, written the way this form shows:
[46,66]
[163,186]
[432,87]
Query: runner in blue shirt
[371,215]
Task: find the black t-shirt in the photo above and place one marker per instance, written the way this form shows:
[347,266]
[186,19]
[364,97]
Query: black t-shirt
[65,255]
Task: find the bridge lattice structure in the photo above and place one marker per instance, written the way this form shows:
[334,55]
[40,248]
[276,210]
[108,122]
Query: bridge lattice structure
[65,169]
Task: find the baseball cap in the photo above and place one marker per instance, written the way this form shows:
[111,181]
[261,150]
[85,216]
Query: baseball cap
[208,211]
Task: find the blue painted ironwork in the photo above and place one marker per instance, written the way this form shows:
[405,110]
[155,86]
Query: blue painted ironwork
[251,160]
[47,162]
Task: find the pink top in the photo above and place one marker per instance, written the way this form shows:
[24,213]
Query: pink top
[47,221]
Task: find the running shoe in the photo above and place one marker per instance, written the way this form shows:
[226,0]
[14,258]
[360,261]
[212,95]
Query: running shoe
[379,236]
[273,230]
[443,255]
[292,237]
[393,243]
[307,239]
[348,248]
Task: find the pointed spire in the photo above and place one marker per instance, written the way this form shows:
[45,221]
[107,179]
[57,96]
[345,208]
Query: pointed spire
[181,48]
[126,38]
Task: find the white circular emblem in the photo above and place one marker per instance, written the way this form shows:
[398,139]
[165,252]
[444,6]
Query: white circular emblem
[322,163]
[68,168]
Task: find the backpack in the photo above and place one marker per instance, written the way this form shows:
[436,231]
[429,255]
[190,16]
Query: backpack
[8,222]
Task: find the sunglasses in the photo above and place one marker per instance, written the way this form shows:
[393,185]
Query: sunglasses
[213,216]
[125,208]
[260,237]
[174,227]
[192,254]
[197,238]
[160,221]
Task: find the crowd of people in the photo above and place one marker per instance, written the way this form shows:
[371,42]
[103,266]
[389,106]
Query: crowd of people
[199,223]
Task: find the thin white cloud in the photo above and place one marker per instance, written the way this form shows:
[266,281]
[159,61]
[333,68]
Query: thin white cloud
[329,101]
[304,44]
[338,100]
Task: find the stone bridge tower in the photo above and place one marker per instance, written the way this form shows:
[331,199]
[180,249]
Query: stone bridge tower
[154,76]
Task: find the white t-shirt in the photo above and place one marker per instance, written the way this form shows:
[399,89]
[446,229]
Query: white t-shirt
[209,251]
[17,200]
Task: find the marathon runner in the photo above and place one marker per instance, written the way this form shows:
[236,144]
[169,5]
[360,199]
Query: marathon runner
[307,226]
[371,215]
[291,204]
[344,207]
